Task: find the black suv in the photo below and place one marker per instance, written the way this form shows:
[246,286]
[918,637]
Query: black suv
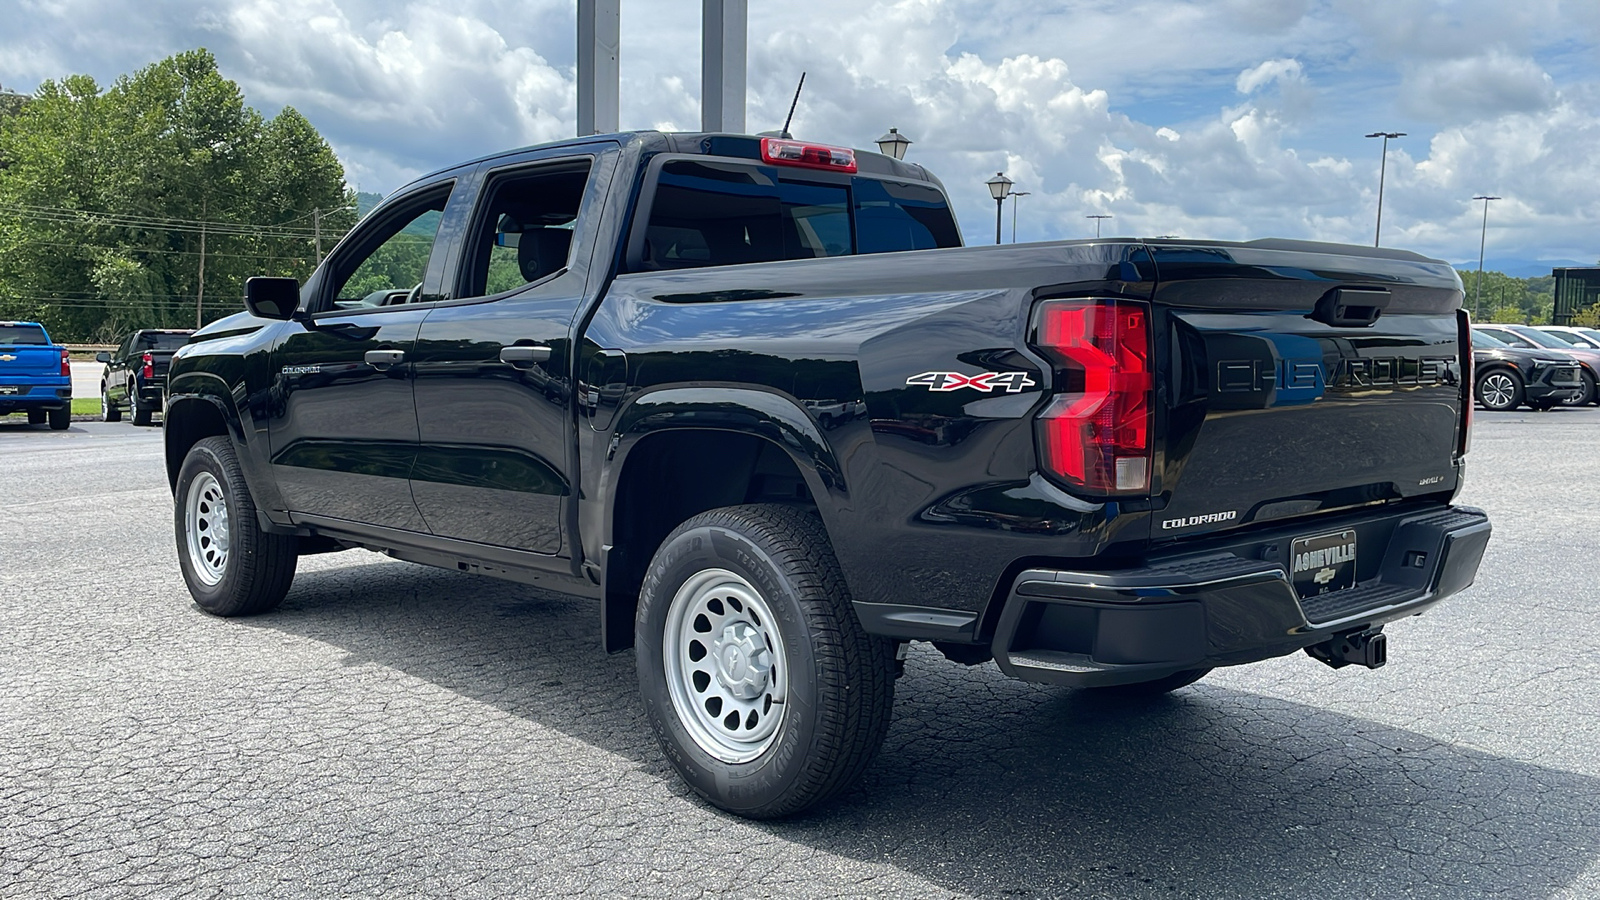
[1507,377]
[136,374]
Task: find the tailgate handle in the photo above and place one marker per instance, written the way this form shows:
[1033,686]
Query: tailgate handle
[1351,307]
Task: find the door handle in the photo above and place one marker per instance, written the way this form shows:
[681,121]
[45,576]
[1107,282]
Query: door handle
[524,355]
[383,359]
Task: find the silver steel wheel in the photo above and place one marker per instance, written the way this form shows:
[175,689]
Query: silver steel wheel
[205,526]
[1497,390]
[726,670]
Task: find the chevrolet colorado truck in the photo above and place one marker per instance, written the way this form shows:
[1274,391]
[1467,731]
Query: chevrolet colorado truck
[753,397]
[35,375]
[136,373]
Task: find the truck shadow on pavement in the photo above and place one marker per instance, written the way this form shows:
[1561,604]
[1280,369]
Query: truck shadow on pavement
[990,786]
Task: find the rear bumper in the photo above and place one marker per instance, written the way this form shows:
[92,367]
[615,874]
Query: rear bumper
[1231,604]
[34,396]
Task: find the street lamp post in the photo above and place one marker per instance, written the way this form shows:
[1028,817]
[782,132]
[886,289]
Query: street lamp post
[1014,196]
[1383,166]
[1097,220]
[1483,236]
[894,144]
[999,188]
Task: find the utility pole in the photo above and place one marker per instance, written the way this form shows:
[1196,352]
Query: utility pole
[316,230]
[200,293]
[1097,220]
[1483,236]
[1014,196]
[1383,167]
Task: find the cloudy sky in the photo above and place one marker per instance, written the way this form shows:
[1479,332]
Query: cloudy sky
[1229,119]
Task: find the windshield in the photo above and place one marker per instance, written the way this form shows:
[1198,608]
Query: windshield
[1556,340]
[1592,334]
[1485,339]
[18,335]
[161,340]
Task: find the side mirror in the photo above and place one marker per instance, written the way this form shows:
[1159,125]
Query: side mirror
[102,357]
[272,298]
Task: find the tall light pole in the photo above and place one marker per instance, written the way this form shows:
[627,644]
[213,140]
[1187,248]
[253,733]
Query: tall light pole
[999,188]
[1483,236]
[1383,166]
[1014,196]
[1097,220]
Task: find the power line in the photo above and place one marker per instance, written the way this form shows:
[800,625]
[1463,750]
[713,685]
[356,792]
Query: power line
[209,223]
[114,220]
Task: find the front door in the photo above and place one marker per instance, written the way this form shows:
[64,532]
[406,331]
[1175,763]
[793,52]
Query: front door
[344,427]
[493,384]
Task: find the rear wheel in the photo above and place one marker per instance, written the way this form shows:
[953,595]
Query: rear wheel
[139,414]
[767,695]
[35,417]
[231,566]
[109,410]
[1499,390]
[61,419]
[1154,688]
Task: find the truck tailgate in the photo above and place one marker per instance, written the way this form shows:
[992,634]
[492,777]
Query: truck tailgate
[24,363]
[1284,400]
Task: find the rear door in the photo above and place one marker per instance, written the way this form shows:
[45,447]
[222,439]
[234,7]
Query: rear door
[343,428]
[1287,398]
[494,361]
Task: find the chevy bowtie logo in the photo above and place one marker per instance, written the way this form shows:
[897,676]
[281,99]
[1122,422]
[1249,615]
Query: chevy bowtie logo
[6,357]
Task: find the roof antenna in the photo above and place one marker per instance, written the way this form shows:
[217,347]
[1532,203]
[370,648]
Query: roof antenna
[792,104]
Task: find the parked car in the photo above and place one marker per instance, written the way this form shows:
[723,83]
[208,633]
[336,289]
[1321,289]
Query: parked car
[1110,464]
[1507,376]
[1588,338]
[35,375]
[1528,337]
[136,373]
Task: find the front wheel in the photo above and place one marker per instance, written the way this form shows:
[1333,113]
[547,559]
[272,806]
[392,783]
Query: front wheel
[109,410]
[766,693]
[1500,390]
[231,566]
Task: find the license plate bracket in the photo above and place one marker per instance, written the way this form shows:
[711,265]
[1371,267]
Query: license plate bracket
[1323,563]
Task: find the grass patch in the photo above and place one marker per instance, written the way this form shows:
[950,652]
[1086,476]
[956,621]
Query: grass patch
[86,406]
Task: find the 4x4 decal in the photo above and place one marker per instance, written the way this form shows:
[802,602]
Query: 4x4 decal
[1013,382]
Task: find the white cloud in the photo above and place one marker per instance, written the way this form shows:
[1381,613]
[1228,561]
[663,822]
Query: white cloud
[1273,70]
[1486,85]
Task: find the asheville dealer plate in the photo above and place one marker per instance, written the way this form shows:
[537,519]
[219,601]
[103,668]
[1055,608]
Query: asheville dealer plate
[1324,563]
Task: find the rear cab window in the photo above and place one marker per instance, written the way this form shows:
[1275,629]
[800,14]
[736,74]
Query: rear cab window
[719,212]
[158,340]
[23,336]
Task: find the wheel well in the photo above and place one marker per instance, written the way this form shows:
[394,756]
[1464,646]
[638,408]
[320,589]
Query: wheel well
[667,479]
[188,423]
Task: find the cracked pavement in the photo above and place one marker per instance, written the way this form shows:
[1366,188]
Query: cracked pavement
[394,730]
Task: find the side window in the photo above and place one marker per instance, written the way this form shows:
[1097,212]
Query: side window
[719,214]
[893,216]
[386,266]
[523,230]
[1514,340]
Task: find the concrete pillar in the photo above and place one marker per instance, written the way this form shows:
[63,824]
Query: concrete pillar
[723,28]
[599,35]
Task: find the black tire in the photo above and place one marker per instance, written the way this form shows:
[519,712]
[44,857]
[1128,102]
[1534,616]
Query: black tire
[1588,395]
[139,414]
[1499,390]
[256,567]
[61,419]
[839,680]
[109,411]
[1153,688]
[36,417]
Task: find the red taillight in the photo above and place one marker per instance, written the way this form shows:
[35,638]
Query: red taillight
[807,156]
[66,363]
[149,370]
[1468,376]
[1095,433]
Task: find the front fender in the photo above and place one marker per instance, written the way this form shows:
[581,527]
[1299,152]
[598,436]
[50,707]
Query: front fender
[195,402]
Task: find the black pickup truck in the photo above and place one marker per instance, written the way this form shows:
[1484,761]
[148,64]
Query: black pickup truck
[752,396]
[135,376]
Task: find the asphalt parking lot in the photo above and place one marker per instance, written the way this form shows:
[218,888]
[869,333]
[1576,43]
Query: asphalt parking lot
[401,731]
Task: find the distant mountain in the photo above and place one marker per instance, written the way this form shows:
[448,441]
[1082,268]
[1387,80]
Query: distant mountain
[1522,268]
[366,201]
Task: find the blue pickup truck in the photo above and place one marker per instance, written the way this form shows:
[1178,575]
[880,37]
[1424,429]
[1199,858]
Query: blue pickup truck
[35,375]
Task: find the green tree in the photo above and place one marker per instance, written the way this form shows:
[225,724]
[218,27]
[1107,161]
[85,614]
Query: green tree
[120,208]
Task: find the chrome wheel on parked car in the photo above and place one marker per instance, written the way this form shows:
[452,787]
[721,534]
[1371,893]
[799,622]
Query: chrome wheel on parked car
[725,665]
[1499,391]
[206,527]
